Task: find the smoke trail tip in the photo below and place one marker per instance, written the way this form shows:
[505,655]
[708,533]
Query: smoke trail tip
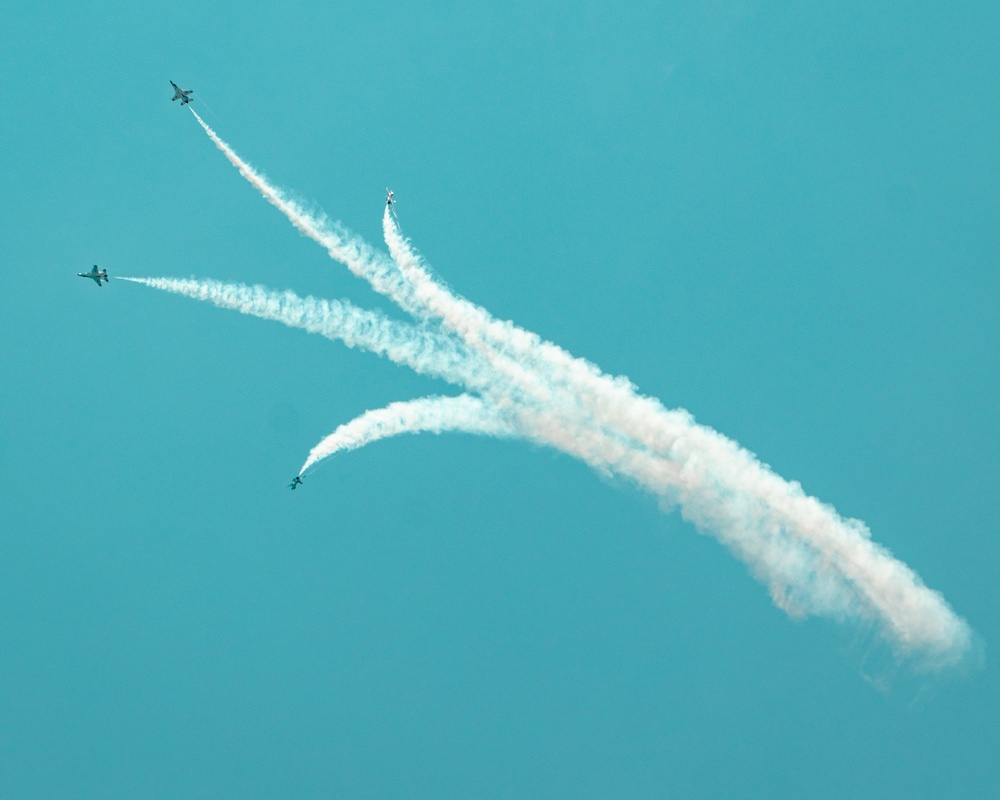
[965,655]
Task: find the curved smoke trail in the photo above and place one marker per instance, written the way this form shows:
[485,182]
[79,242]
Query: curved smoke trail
[425,415]
[813,561]
[351,251]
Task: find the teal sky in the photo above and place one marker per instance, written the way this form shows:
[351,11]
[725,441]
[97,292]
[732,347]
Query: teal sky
[782,218]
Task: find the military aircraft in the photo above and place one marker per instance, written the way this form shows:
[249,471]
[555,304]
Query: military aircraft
[296,481]
[389,199]
[181,94]
[97,274]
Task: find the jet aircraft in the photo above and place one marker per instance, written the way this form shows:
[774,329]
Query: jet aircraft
[296,481]
[181,94]
[390,203]
[96,274]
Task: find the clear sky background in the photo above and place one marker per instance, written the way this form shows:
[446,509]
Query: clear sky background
[780,216]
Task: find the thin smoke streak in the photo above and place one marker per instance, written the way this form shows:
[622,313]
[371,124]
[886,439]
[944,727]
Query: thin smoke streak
[464,413]
[341,246]
[423,351]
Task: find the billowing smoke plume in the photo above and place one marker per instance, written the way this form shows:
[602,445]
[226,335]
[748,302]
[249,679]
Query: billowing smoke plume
[813,561]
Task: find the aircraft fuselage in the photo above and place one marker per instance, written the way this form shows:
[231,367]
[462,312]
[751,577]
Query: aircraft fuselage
[95,274]
[181,94]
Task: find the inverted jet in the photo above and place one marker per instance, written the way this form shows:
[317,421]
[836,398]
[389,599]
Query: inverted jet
[390,203]
[181,94]
[296,481]
[96,274]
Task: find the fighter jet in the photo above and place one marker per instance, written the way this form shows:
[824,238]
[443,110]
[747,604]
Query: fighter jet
[181,94]
[390,204]
[296,481]
[97,274]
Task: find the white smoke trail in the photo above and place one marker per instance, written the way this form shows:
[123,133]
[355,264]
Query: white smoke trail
[784,556]
[813,561]
[348,249]
[433,301]
[425,415]
[423,351]
[538,366]
[466,319]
